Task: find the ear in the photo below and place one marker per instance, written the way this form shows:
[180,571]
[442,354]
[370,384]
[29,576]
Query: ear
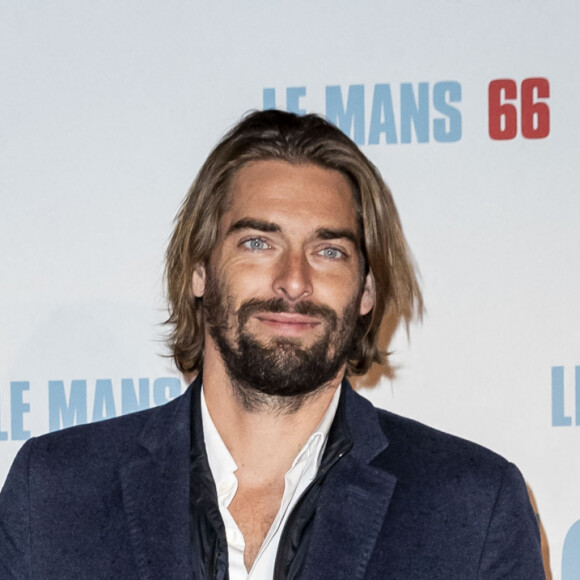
[198,281]
[368,297]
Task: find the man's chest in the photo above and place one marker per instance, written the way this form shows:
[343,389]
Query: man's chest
[254,510]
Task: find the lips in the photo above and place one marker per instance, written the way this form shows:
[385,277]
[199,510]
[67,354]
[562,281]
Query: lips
[288,322]
[287,318]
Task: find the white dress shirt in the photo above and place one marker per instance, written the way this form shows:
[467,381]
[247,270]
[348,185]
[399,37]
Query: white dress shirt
[297,479]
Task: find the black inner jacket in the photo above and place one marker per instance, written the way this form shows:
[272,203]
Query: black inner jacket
[209,546]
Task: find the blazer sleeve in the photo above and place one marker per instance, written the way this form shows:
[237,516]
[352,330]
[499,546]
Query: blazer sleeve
[15,519]
[512,548]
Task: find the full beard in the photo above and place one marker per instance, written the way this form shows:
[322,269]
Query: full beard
[280,374]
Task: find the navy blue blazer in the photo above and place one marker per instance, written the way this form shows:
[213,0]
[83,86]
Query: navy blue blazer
[111,500]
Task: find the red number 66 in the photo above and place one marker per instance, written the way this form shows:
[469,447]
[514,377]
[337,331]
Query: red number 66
[503,115]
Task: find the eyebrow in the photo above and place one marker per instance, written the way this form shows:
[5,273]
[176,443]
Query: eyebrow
[253,224]
[330,234]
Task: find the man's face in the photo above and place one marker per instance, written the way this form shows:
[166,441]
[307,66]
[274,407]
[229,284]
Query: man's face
[283,288]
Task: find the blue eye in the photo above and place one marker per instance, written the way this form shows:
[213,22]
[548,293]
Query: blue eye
[332,253]
[255,244]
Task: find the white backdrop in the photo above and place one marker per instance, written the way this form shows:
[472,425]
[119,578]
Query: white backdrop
[107,110]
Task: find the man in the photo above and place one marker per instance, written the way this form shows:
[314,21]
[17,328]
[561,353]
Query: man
[286,256]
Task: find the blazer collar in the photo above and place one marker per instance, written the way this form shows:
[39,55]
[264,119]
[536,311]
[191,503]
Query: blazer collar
[155,489]
[355,497]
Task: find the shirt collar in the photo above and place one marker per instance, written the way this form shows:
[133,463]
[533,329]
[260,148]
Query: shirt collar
[316,443]
[221,462]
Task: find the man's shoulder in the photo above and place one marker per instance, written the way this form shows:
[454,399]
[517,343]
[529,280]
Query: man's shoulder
[106,433]
[410,438]
[103,441]
[423,451]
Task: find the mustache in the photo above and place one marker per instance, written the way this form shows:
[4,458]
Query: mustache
[277,305]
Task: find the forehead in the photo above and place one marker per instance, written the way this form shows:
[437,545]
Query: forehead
[304,196]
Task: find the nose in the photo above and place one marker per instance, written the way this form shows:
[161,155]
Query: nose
[292,280]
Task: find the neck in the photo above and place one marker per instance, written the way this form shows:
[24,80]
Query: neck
[263,438]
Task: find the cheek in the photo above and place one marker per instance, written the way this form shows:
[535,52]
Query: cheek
[244,282]
[337,291]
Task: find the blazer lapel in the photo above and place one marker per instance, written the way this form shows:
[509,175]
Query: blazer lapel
[155,488]
[353,501]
